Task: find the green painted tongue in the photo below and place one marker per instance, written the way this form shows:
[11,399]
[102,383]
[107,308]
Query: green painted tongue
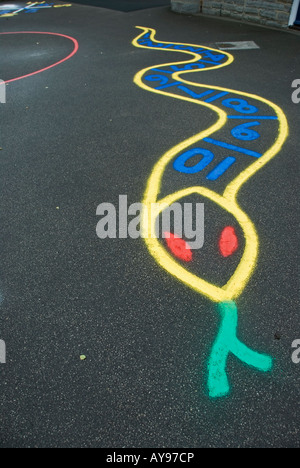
[226,342]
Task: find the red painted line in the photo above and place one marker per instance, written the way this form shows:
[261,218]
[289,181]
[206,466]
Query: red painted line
[76,47]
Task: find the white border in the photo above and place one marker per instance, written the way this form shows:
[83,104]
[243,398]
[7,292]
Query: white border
[294,12]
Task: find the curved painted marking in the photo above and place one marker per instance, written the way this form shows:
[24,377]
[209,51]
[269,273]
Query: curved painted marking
[228,201]
[74,51]
[235,285]
[227,341]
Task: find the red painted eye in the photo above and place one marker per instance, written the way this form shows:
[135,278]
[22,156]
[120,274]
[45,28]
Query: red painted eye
[179,247]
[228,242]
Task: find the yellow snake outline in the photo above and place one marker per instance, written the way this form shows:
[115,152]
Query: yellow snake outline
[227,340]
[239,279]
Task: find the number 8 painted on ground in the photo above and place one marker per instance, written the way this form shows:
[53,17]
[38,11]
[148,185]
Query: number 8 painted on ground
[243,106]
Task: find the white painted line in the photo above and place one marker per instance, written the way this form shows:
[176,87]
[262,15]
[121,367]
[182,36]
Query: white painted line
[39,6]
[8,7]
[21,9]
[239,45]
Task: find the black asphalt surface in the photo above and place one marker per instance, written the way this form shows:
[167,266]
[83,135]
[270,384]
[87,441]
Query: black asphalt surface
[83,133]
[124,5]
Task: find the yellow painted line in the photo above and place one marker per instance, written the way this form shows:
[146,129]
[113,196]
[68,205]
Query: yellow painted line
[233,188]
[242,274]
[227,201]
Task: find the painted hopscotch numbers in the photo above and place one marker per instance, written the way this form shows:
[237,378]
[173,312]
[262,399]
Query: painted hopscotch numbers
[162,78]
[12,10]
[248,127]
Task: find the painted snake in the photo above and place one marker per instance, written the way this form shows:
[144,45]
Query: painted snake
[242,119]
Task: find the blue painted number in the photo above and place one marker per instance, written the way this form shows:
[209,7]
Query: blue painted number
[240,105]
[179,163]
[244,132]
[207,157]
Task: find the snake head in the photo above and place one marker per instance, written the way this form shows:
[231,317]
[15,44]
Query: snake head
[222,268]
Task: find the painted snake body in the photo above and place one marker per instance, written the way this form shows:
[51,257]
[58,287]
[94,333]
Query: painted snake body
[243,119]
